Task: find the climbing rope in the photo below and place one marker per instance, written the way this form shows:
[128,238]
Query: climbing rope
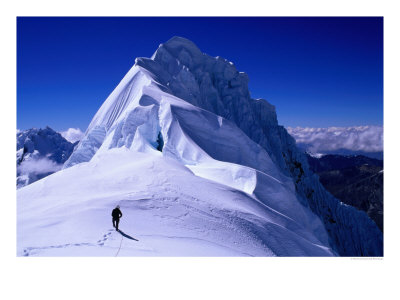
[119,246]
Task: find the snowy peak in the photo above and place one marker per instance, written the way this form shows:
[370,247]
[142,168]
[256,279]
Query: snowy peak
[46,141]
[184,50]
[180,69]
[208,82]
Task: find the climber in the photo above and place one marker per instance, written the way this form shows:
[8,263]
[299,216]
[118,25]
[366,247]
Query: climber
[116,215]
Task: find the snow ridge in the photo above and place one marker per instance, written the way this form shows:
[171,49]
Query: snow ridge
[223,90]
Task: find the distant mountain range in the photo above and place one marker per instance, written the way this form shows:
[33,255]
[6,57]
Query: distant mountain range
[355,180]
[40,152]
[346,152]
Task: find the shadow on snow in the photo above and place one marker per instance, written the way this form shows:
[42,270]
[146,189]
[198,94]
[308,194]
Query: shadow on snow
[127,236]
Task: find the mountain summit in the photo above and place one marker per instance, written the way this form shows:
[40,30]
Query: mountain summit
[198,168]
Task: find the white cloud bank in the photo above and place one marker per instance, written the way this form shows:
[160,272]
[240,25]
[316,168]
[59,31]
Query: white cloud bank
[320,140]
[72,134]
[38,166]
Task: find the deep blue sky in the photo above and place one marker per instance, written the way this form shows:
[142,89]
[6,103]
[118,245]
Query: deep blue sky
[318,72]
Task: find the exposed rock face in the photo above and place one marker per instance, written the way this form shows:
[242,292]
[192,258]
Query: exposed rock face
[354,180]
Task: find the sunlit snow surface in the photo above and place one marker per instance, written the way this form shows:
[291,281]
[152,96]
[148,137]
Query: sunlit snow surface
[169,210]
[212,191]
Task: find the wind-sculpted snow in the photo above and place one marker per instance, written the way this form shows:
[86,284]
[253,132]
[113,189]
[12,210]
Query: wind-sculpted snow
[168,210]
[87,147]
[200,167]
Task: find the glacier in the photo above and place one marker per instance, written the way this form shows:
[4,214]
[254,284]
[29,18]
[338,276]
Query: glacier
[198,167]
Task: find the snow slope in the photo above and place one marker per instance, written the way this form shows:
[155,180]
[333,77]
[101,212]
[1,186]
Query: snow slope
[227,181]
[161,209]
